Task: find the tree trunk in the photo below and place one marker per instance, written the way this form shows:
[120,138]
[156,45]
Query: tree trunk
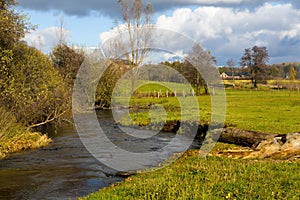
[244,137]
[255,83]
[198,88]
[205,89]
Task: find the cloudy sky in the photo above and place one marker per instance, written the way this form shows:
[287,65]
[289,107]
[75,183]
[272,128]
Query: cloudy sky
[225,27]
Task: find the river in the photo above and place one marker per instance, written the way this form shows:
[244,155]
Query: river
[65,169]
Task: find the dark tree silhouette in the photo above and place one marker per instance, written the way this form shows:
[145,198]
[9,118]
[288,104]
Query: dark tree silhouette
[256,61]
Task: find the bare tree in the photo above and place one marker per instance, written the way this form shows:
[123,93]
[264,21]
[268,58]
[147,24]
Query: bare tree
[201,60]
[137,22]
[230,64]
[60,32]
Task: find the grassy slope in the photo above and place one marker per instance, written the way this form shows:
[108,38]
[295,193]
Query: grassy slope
[192,177]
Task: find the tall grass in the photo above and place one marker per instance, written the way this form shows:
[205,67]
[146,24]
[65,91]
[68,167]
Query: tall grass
[8,125]
[15,137]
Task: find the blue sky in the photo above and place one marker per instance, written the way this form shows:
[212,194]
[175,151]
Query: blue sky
[225,27]
[84,29]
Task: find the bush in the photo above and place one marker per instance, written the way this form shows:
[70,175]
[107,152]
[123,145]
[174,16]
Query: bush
[30,87]
[67,60]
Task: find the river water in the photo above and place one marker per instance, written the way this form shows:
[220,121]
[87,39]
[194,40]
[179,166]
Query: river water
[65,169]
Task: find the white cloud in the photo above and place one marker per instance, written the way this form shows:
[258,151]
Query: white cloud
[228,31]
[112,33]
[177,54]
[46,38]
[225,31]
[225,27]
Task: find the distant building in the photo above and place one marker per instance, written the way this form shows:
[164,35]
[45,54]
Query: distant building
[226,76]
[287,76]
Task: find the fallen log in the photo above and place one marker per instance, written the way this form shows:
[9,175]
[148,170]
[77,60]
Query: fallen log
[283,147]
[244,137]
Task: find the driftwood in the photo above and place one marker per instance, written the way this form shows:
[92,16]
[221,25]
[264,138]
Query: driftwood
[282,147]
[246,138]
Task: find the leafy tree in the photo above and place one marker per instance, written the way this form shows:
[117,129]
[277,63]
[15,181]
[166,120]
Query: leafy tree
[230,64]
[67,60]
[126,52]
[276,72]
[108,82]
[13,25]
[255,59]
[30,87]
[292,73]
[223,69]
[197,60]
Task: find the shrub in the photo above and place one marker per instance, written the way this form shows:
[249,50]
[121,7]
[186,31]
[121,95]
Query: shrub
[30,87]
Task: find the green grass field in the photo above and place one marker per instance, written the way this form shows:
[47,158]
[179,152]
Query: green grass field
[191,177]
[257,110]
[267,111]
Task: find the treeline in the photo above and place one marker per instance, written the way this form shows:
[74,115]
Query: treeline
[271,72]
[284,70]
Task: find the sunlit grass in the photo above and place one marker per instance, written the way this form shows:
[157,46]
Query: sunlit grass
[192,177]
[267,111]
[258,110]
[285,81]
[124,87]
[15,137]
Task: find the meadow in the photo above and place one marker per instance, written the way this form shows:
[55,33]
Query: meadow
[214,177]
[264,110]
